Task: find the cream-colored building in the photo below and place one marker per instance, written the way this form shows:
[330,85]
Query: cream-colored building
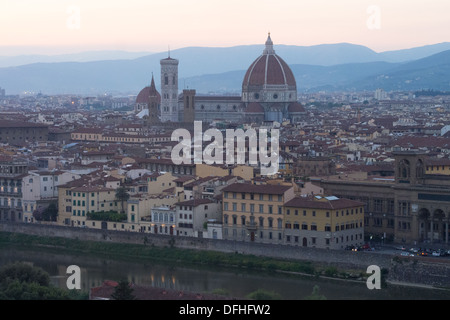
[323,222]
[255,212]
[84,199]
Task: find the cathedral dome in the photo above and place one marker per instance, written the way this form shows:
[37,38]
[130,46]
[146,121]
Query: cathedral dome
[269,69]
[145,94]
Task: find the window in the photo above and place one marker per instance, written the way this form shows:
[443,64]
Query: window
[234,206]
[261,208]
[243,207]
[270,209]
[225,206]
[252,207]
[280,223]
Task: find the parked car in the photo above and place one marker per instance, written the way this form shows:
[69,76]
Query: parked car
[406,254]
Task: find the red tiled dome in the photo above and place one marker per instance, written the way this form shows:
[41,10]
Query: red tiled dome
[269,69]
[144,95]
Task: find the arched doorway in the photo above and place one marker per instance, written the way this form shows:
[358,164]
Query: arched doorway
[305,242]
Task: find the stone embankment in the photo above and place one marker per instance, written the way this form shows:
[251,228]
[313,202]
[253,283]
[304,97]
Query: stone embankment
[412,270]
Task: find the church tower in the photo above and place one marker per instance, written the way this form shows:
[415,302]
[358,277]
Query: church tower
[189,105]
[153,104]
[169,89]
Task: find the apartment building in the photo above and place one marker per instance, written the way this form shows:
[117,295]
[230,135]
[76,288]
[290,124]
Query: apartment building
[40,188]
[11,174]
[86,199]
[255,212]
[324,222]
[193,216]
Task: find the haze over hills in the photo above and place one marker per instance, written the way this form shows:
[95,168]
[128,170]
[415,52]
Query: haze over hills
[86,56]
[323,67]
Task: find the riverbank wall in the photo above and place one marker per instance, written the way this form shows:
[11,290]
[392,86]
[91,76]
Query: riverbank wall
[400,269]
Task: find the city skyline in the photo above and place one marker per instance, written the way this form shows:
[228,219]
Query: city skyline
[57,27]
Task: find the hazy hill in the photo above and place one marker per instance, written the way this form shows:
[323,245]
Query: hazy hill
[328,67]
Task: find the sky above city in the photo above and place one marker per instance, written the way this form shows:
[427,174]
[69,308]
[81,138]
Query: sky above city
[68,26]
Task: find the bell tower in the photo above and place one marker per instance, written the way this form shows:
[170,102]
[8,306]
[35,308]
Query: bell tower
[169,89]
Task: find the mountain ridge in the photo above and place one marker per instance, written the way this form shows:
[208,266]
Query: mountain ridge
[347,67]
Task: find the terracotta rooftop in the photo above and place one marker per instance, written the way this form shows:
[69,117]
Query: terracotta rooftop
[300,202]
[252,188]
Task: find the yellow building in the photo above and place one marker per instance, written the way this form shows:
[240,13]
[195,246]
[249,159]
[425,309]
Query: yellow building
[64,204]
[92,199]
[87,134]
[438,166]
[159,183]
[324,222]
[255,212]
[139,211]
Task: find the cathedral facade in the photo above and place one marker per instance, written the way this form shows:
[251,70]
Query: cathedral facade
[269,93]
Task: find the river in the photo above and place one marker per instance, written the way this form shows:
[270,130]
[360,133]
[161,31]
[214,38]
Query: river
[237,282]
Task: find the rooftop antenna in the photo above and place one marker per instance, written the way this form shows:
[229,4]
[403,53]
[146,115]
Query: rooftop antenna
[169,50]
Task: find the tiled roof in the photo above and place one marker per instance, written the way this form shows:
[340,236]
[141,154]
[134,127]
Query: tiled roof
[300,202]
[269,69]
[252,188]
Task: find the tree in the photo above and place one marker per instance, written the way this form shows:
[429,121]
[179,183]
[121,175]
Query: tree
[46,214]
[22,281]
[51,213]
[122,195]
[123,291]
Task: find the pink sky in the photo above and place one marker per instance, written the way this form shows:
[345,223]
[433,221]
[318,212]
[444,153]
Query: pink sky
[62,26]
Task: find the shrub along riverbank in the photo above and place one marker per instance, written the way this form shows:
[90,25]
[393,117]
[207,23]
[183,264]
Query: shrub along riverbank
[136,252]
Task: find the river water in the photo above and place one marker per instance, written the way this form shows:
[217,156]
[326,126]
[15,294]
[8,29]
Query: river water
[237,282]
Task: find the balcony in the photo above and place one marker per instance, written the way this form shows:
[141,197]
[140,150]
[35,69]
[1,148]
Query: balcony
[11,194]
